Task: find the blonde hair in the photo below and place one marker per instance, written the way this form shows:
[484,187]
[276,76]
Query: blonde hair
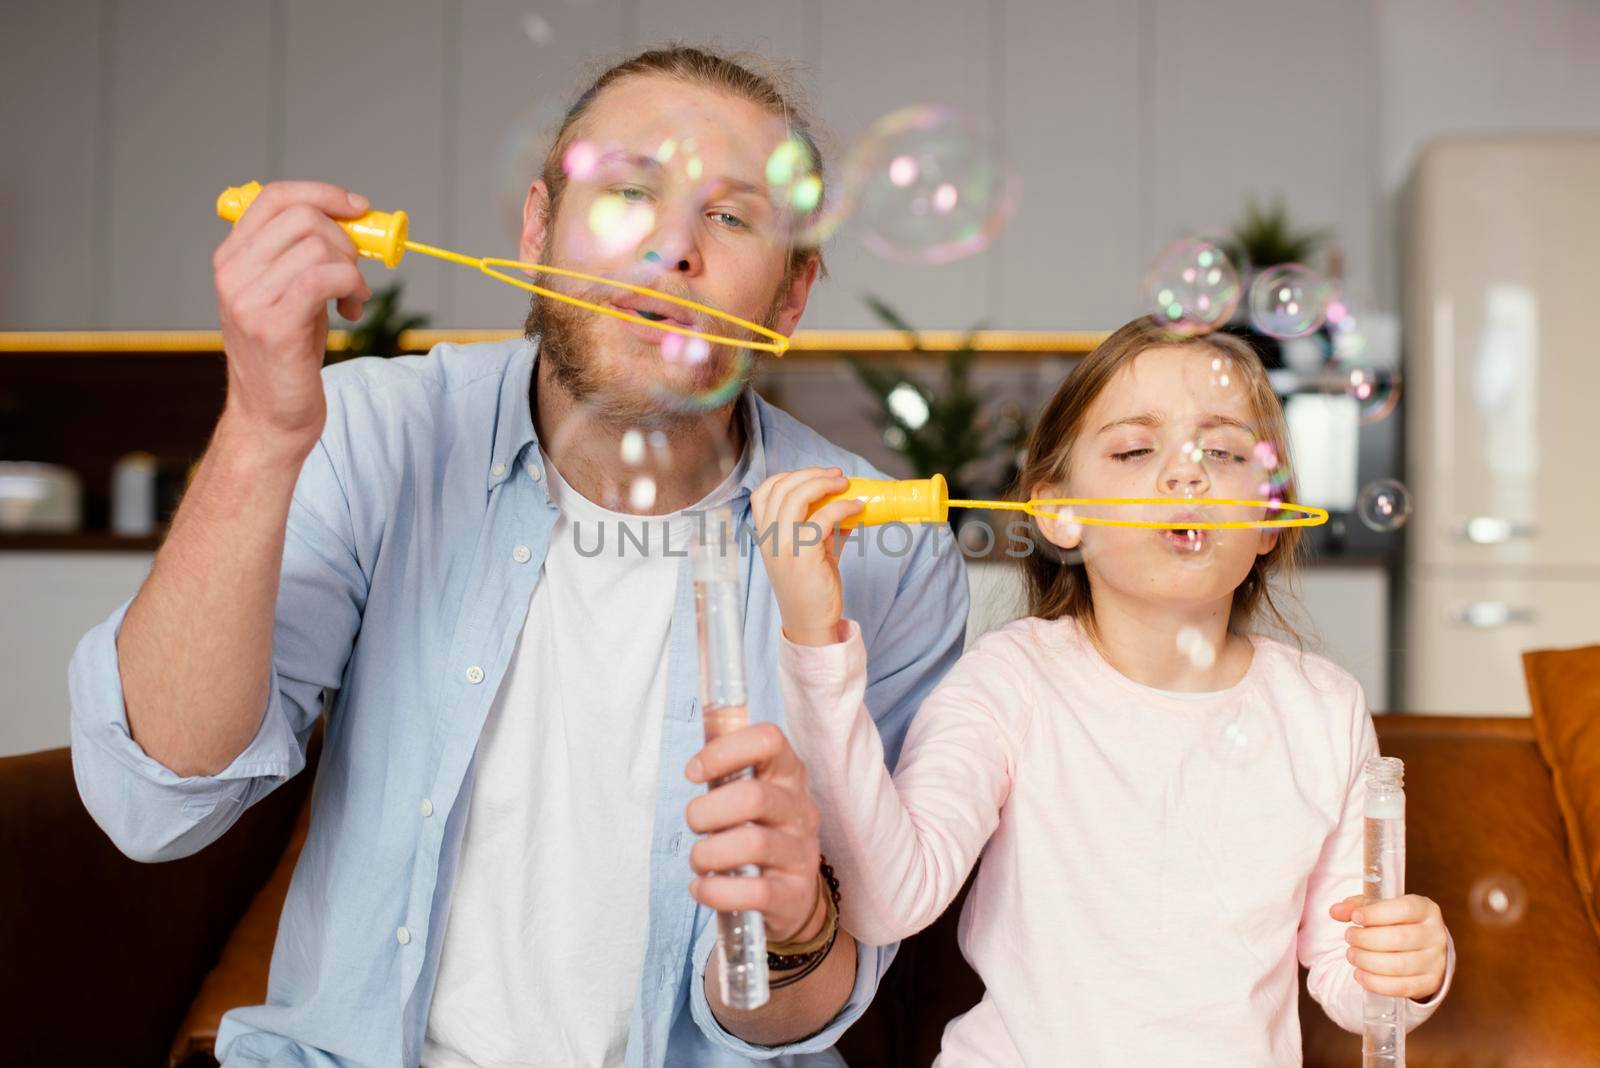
[734,75]
[1056,588]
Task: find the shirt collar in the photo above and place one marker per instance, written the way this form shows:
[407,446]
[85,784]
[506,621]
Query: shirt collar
[513,430]
[513,425]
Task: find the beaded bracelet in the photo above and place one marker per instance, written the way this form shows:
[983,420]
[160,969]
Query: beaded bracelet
[804,957]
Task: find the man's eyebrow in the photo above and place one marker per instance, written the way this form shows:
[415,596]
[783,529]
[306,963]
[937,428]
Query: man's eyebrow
[650,163]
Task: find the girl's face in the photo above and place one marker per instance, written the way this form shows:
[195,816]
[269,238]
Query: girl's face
[1167,426]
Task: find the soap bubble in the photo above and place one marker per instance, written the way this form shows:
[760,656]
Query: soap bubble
[537,28]
[1288,300]
[1195,648]
[1498,900]
[1347,338]
[1375,389]
[1238,737]
[1224,377]
[811,208]
[1191,288]
[519,159]
[1384,505]
[927,188]
[630,468]
[642,494]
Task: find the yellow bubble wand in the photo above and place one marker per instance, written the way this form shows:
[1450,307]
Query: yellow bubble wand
[927,500]
[384,236]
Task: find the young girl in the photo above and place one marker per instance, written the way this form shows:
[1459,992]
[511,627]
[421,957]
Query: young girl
[1169,808]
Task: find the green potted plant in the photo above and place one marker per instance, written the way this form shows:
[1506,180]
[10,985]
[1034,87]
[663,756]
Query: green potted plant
[951,428]
[1264,237]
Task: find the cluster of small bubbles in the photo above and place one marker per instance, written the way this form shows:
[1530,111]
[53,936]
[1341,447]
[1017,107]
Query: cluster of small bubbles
[1195,649]
[1375,390]
[812,212]
[1223,375]
[1288,300]
[1346,338]
[686,154]
[925,187]
[792,178]
[1192,452]
[1498,900]
[679,348]
[1191,288]
[1384,505]
[1236,741]
[644,455]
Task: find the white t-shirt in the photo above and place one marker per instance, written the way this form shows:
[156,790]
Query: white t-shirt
[546,934]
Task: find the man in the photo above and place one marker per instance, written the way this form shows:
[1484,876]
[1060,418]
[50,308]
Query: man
[502,825]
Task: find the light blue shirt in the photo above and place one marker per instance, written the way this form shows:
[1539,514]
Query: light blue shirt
[404,588]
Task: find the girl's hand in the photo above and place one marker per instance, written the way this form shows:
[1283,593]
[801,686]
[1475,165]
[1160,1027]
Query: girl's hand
[1399,946]
[802,554]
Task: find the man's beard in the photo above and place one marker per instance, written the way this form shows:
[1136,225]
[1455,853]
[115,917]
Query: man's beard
[569,338]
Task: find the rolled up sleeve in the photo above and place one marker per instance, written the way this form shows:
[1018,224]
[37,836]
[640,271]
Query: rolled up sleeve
[150,812]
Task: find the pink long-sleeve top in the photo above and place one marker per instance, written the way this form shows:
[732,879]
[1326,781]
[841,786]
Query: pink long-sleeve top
[1153,865]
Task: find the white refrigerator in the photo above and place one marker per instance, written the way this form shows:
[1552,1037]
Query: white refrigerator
[1502,403]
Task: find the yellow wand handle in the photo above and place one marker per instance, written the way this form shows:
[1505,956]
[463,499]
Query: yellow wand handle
[379,235]
[911,500]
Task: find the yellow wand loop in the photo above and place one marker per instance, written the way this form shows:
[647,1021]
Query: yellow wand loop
[927,500]
[383,235]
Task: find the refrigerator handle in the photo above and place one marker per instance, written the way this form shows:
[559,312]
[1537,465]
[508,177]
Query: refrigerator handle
[1487,615]
[1493,530]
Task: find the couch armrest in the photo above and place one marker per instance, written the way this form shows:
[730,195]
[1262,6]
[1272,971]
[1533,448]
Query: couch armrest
[103,954]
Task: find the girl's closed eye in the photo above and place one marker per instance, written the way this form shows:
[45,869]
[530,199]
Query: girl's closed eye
[1136,453]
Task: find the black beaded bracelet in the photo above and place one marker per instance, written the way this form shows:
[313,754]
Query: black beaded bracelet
[804,964]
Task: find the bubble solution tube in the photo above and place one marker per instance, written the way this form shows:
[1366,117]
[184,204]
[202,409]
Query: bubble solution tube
[719,624]
[1383,1037]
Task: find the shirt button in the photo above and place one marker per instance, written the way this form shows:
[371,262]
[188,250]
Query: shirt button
[534,472]
[497,470]
[403,936]
[426,808]
[521,554]
[474,674]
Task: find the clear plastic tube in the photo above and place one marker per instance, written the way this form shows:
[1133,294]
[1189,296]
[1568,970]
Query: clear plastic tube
[1383,1038]
[719,623]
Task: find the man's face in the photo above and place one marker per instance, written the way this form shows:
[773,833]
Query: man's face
[666,188]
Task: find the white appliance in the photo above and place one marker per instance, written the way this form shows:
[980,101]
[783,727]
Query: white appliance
[1502,415]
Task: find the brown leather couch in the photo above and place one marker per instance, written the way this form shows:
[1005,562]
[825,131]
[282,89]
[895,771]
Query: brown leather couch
[103,957]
